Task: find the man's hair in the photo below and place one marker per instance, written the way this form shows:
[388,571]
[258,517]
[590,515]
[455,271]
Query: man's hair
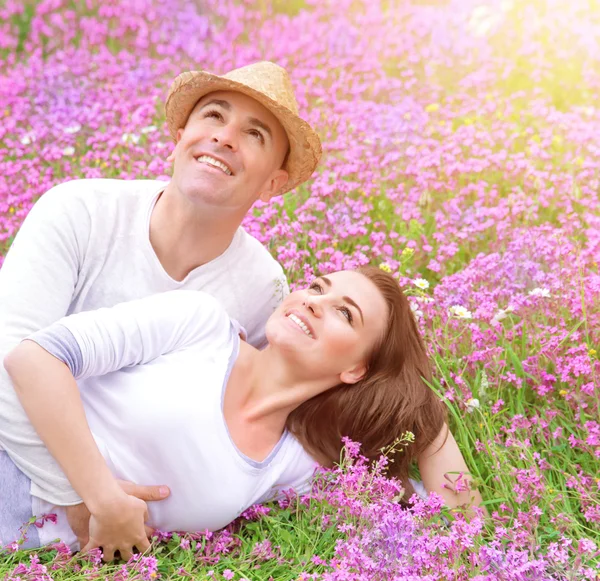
[391,399]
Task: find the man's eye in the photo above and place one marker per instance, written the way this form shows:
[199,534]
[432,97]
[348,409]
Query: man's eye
[258,135]
[316,287]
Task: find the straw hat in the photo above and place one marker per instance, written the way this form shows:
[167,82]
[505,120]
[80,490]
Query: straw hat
[268,84]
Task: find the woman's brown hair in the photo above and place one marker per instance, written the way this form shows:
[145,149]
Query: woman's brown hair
[391,399]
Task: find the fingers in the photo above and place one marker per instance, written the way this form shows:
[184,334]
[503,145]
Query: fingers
[83,540]
[108,554]
[88,547]
[142,545]
[149,531]
[145,492]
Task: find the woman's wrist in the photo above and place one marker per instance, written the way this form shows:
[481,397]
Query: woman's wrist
[106,493]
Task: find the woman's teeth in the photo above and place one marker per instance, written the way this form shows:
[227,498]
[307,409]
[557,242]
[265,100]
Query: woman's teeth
[300,324]
[214,162]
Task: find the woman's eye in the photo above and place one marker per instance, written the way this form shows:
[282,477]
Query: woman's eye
[347,313]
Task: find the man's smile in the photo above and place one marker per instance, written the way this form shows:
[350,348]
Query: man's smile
[214,162]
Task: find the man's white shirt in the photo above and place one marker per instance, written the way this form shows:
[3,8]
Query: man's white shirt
[84,245]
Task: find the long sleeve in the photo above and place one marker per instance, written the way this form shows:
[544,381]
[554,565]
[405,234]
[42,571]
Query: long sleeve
[37,282]
[98,342]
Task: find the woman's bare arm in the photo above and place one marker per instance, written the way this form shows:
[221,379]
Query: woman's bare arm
[441,458]
[50,396]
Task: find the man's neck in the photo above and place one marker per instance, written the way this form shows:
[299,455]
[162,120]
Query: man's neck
[185,237]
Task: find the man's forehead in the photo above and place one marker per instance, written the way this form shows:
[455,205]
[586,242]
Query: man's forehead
[233,99]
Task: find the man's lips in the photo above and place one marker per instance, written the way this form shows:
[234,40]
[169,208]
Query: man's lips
[214,161]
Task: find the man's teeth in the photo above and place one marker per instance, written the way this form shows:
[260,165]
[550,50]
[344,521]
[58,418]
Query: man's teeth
[300,324]
[214,162]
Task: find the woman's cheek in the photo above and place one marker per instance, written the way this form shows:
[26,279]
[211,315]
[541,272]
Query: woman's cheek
[341,342]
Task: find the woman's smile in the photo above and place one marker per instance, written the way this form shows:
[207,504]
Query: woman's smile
[301,324]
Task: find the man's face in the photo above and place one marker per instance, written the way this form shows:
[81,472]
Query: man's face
[230,152]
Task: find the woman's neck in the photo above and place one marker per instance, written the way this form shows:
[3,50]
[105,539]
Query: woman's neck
[265,388]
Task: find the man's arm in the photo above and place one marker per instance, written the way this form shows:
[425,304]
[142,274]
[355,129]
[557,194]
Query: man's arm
[37,282]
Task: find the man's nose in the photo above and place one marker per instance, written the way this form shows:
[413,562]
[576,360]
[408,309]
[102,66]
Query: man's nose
[226,136]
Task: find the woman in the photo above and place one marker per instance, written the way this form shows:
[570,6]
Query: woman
[167,392]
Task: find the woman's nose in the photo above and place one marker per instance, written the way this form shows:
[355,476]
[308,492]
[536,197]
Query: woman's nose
[313,305]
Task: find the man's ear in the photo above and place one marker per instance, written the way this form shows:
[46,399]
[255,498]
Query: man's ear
[171,157]
[273,187]
[353,375]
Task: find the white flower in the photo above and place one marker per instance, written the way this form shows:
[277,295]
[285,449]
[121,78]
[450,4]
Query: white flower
[421,283]
[28,138]
[130,138]
[502,314]
[74,128]
[68,151]
[460,312]
[472,404]
[539,292]
[149,129]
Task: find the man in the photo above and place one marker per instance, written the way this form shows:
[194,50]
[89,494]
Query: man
[88,244]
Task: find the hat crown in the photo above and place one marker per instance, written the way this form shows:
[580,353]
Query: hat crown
[269,79]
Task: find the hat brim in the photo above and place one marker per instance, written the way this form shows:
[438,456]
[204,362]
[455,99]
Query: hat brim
[305,146]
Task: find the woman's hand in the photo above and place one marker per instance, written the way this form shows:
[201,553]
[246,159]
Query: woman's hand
[49,394]
[78,515]
[117,524]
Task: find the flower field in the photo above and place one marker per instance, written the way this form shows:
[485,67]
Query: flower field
[462,153]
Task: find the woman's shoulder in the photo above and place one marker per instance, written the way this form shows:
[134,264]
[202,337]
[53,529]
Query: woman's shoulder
[298,462]
[293,471]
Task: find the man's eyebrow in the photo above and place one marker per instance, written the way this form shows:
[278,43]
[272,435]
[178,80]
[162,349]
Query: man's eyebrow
[253,120]
[261,125]
[219,102]
[347,299]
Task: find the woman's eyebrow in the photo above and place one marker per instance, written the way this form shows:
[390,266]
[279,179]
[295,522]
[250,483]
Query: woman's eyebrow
[347,299]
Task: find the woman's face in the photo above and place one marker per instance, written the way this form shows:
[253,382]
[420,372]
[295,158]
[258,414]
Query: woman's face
[328,330]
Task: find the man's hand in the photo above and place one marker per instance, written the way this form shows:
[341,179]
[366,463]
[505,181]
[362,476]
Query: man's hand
[78,516]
